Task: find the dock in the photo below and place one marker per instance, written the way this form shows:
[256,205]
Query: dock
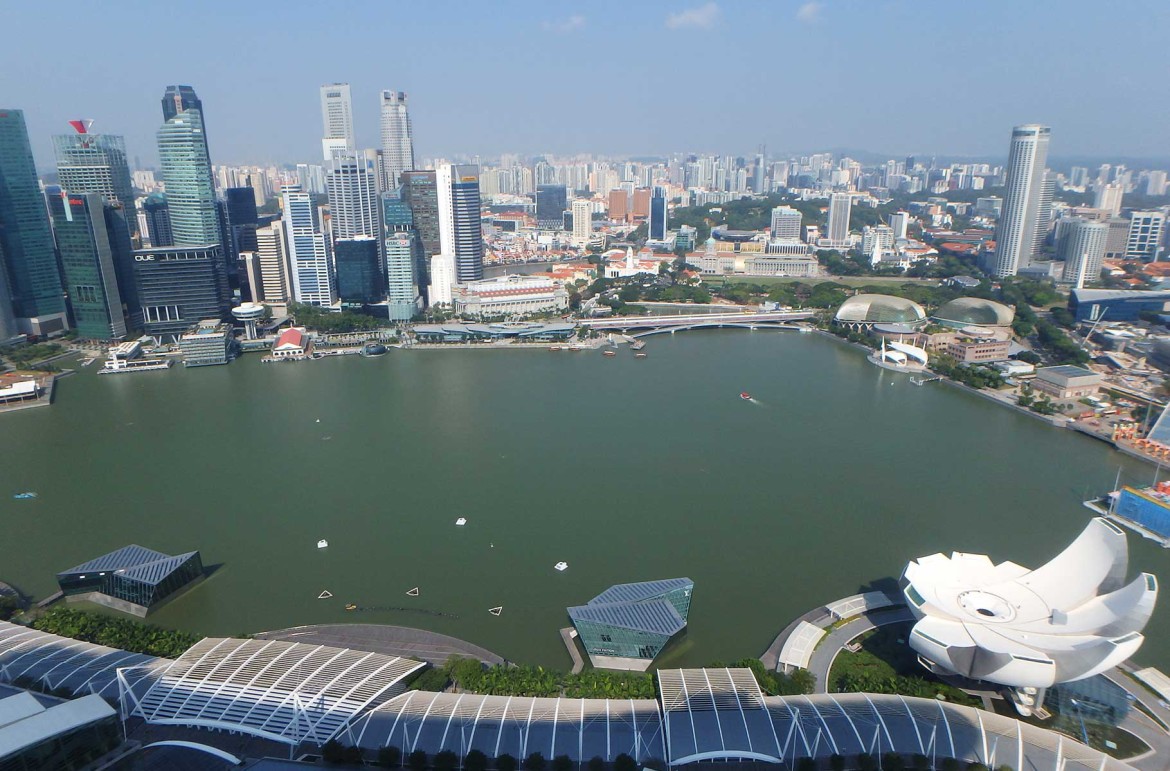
[568,634]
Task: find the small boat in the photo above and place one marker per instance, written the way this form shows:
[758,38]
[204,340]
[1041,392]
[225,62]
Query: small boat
[555,348]
[322,544]
[562,566]
[461,521]
[745,396]
[574,347]
[350,606]
[496,611]
[413,592]
[25,496]
[639,356]
[318,420]
[326,594]
[609,353]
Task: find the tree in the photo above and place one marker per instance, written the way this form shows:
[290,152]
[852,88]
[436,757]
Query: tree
[475,761]
[562,763]
[534,762]
[866,762]
[389,757]
[1029,357]
[806,764]
[417,760]
[332,752]
[352,756]
[920,762]
[505,762]
[624,762]
[837,762]
[892,761]
[950,764]
[445,760]
[596,763]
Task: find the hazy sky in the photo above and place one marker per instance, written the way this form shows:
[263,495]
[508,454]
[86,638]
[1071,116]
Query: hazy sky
[610,76]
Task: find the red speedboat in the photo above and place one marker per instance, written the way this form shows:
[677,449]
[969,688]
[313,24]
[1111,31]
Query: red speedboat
[745,396]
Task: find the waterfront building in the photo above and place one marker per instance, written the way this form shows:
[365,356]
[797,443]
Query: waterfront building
[977,350]
[460,231]
[551,202]
[1016,232]
[93,242]
[862,311]
[40,733]
[1081,244]
[1144,239]
[582,221]
[359,279]
[309,257]
[249,314]
[510,295]
[627,625]
[179,286]
[293,343]
[965,312]
[837,230]
[273,287]
[132,579]
[785,224]
[337,115]
[442,273]
[1067,381]
[1148,507]
[94,163]
[209,342]
[186,173]
[27,255]
[402,294]
[353,195]
[397,139]
[1117,305]
[156,216]
[659,215]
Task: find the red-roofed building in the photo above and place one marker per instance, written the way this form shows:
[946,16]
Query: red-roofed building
[293,343]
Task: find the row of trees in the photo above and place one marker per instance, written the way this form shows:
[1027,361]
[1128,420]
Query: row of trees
[323,321]
[974,376]
[470,675]
[28,356]
[123,633]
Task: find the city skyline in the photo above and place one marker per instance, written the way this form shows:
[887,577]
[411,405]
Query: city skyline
[1001,71]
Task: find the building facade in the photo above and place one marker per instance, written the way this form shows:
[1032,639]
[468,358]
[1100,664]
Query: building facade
[1067,382]
[186,173]
[1144,239]
[309,257]
[179,286]
[551,202]
[510,295]
[272,284]
[1015,235]
[337,115]
[785,224]
[132,579]
[460,230]
[1081,244]
[94,163]
[627,625]
[402,293]
[359,279]
[353,195]
[156,218]
[659,215]
[210,342]
[397,138]
[840,206]
[582,221]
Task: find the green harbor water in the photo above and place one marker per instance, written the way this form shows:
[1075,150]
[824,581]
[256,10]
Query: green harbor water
[629,469]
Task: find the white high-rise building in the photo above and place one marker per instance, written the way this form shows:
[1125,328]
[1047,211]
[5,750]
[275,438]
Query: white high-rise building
[460,228]
[838,226]
[353,194]
[337,115]
[1109,198]
[1015,236]
[1082,247]
[582,209]
[273,287]
[900,224]
[442,291]
[309,258]
[402,295]
[785,224]
[397,138]
[1145,235]
[1156,182]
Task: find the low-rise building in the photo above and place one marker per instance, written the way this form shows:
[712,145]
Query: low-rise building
[132,579]
[293,343]
[210,342]
[1067,382]
[782,265]
[510,295]
[36,733]
[978,350]
[627,625]
[19,391]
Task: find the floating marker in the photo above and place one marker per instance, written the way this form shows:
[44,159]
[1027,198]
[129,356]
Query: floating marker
[496,611]
[325,595]
[322,544]
[461,521]
[413,592]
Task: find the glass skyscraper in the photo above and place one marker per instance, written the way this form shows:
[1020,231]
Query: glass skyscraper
[158,220]
[401,288]
[26,240]
[359,280]
[460,228]
[186,172]
[551,202]
[94,163]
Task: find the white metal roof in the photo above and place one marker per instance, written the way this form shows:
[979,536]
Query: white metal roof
[44,723]
[799,646]
[287,692]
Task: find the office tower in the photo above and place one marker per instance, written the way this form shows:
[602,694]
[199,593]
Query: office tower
[402,293]
[1109,198]
[94,163]
[242,218]
[785,224]
[157,215]
[758,175]
[353,195]
[1145,235]
[176,99]
[460,231]
[551,201]
[442,272]
[1078,177]
[900,223]
[582,221]
[619,205]
[420,192]
[640,203]
[337,114]
[659,216]
[274,287]
[186,172]
[1156,183]
[840,205]
[1015,235]
[309,258]
[359,279]
[1081,244]
[179,286]
[92,248]
[26,241]
[397,139]
[8,328]
[1044,212]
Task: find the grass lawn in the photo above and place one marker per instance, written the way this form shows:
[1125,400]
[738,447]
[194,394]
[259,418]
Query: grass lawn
[853,281]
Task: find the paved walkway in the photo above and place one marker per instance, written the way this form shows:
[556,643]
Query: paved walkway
[822,659]
[567,637]
[390,640]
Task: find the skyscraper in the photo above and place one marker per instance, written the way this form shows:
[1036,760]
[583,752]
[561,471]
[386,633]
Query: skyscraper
[397,139]
[1044,212]
[157,214]
[1015,234]
[309,258]
[421,193]
[274,287]
[402,293]
[93,246]
[582,221]
[785,224]
[550,206]
[659,217]
[840,206]
[353,195]
[186,172]
[337,115]
[26,241]
[1109,198]
[94,163]
[8,329]
[179,286]
[176,99]
[460,229]
[242,218]
[1082,247]
[359,279]
[1145,235]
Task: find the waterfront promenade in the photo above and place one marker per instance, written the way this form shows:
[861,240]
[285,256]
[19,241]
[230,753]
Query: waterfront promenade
[403,641]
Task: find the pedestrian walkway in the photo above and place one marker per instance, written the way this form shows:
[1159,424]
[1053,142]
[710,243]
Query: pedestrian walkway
[390,640]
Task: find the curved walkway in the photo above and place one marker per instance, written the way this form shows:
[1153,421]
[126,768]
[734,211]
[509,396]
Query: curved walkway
[390,640]
[826,653]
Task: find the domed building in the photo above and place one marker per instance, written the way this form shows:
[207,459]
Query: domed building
[862,311]
[974,312]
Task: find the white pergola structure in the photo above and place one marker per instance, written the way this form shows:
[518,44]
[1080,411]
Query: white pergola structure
[286,692]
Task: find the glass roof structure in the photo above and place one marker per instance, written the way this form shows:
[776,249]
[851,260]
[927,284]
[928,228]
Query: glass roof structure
[286,692]
[880,308]
[975,311]
[513,725]
[50,662]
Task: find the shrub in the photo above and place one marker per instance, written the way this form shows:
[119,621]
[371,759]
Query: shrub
[596,763]
[866,762]
[806,764]
[624,762]
[417,761]
[534,762]
[446,760]
[475,761]
[389,757]
[837,762]
[562,763]
[505,762]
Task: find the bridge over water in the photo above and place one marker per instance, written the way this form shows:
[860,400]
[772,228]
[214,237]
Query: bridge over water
[638,326]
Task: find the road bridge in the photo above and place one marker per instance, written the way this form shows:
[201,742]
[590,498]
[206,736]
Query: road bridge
[652,324]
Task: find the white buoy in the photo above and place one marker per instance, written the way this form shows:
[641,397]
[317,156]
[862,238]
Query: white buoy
[322,544]
[496,611]
[561,566]
[413,592]
[325,595]
[461,521]
[318,420]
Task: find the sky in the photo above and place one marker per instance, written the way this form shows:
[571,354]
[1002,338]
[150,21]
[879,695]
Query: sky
[608,77]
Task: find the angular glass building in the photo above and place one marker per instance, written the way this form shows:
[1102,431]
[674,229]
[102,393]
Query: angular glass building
[358,279]
[186,172]
[132,579]
[627,625]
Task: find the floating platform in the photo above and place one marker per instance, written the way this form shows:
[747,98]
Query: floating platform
[413,592]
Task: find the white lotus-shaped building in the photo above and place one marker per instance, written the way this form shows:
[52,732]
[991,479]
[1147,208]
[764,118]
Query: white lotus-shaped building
[1069,619]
